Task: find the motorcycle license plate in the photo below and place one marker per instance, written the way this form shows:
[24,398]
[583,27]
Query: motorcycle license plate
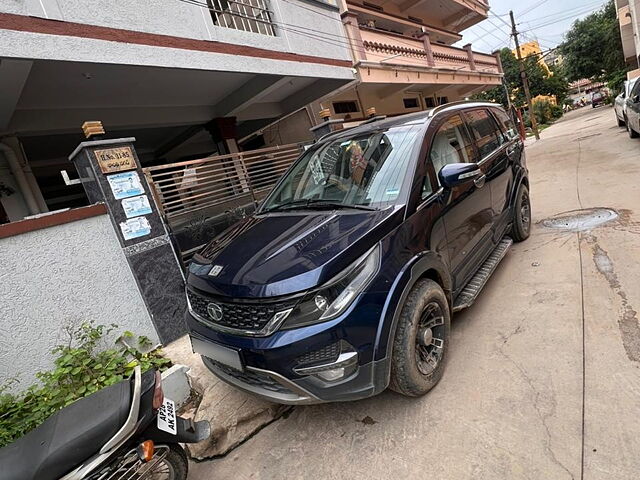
[167,417]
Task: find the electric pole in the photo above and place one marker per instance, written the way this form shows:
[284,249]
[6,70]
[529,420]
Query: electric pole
[523,75]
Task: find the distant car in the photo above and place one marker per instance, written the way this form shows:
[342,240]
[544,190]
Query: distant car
[632,113]
[597,99]
[620,104]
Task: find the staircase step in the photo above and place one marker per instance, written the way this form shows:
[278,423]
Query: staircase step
[473,288]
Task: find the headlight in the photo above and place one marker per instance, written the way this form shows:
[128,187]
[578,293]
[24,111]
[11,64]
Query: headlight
[332,300]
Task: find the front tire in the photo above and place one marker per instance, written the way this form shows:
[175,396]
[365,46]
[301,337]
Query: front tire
[620,122]
[521,226]
[421,340]
[632,132]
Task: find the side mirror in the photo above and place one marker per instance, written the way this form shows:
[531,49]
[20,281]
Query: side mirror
[454,174]
[635,99]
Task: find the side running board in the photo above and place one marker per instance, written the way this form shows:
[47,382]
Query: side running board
[479,280]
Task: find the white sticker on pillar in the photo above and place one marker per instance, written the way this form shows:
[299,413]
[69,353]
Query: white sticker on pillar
[136,206]
[135,227]
[124,185]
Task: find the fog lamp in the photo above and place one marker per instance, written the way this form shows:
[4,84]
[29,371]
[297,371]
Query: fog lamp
[331,375]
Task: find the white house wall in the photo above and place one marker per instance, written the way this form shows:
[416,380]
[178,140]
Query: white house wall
[58,276]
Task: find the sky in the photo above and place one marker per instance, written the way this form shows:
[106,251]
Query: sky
[543,20]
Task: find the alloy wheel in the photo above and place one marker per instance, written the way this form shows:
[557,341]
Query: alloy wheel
[525,212]
[430,338]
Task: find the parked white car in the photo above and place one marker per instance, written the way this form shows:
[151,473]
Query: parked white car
[620,103]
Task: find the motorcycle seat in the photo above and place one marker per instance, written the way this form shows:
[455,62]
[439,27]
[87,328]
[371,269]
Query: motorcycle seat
[68,437]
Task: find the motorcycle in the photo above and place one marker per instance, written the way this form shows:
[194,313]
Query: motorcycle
[127,431]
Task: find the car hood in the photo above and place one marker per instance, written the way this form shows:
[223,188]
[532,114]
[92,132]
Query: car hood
[280,254]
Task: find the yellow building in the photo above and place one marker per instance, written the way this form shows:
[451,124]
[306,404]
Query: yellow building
[533,48]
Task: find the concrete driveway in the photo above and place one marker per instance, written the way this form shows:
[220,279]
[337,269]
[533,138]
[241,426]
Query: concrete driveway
[543,381]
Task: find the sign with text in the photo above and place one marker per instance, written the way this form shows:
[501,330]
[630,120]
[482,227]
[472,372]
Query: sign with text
[124,185]
[116,159]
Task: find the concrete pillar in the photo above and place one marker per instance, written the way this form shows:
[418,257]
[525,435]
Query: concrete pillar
[426,42]
[327,125]
[499,60]
[350,21]
[472,61]
[223,133]
[111,173]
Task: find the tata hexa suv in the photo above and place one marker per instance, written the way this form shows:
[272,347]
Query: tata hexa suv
[344,280]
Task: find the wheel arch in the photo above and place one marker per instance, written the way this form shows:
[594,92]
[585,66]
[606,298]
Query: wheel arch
[428,265]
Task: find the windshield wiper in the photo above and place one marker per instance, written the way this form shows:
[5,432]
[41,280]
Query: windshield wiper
[315,203]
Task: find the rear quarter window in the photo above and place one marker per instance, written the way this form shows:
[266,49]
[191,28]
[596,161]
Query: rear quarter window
[506,123]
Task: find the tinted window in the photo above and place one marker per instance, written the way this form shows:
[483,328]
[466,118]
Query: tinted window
[484,130]
[451,144]
[507,124]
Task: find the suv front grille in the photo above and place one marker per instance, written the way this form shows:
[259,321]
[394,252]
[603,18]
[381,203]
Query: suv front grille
[240,316]
[256,379]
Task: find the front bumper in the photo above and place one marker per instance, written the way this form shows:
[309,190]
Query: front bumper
[268,364]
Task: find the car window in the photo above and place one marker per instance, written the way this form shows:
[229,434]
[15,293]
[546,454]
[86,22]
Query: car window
[451,144]
[361,169]
[507,124]
[484,130]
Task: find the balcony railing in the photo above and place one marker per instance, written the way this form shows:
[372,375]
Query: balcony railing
[248,15]
[384,47]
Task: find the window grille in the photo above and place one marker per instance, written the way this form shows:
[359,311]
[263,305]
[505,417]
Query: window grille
[248,15]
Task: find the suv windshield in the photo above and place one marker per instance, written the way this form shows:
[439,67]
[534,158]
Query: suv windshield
[363,171]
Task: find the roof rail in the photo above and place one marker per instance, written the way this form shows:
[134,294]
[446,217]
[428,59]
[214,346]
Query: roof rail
[342,130]
[445,106]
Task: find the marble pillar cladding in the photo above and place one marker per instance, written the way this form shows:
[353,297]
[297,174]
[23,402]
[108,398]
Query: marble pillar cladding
[151,257]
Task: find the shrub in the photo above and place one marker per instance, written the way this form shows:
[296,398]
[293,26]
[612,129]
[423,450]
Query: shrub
[81,368]
[556,111]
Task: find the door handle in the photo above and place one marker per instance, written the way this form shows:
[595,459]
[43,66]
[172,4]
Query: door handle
[511,150]
[480,181]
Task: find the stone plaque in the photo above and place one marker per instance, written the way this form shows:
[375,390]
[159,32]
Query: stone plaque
[115,159]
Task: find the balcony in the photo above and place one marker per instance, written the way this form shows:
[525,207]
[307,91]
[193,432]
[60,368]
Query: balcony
[387,50]
[452,16]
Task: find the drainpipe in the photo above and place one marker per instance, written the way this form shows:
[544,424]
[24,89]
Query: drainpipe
[21,178]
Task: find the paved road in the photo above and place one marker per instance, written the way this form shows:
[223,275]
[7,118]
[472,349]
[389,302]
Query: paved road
[543,380]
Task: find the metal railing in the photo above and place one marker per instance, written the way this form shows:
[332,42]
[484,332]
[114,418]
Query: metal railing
[247,15]
[199,198]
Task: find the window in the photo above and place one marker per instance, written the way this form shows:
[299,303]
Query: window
[427,188]
[345,107]
[443,100]
[410,103]
[366,170]
[248,15]
[485,130]
[430,102]
[507,124]
[451,144]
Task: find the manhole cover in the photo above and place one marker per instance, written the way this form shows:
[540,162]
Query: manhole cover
[580,220]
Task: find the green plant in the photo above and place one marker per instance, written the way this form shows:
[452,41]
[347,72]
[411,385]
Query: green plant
[81,367]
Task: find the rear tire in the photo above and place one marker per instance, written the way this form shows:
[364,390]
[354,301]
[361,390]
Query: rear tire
[620,122]
[521,226]
[421,340]
[174,466]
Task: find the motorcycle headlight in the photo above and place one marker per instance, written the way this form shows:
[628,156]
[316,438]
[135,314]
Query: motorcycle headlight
[333,299]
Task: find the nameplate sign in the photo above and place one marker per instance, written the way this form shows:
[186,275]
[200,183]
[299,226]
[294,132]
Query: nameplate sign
[116,159]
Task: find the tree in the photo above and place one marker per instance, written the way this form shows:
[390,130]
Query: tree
[540,83]
[593,47]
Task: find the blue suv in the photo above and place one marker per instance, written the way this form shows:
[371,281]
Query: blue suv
[345,279]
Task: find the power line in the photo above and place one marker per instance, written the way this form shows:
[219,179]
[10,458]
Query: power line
[532,8]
